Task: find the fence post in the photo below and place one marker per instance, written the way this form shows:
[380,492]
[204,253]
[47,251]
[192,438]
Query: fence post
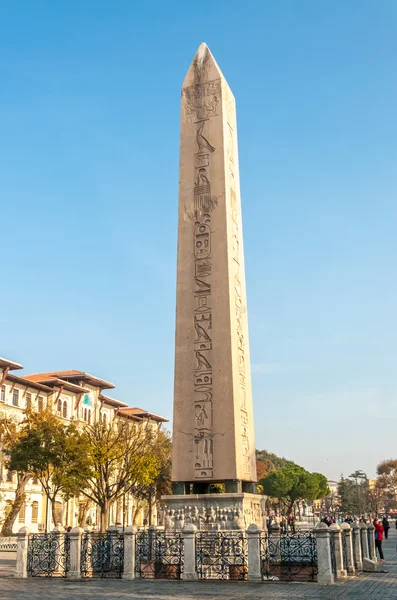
[358,557]
[129,552]
[189,543]
[254,553]
[371,542]
[347,532]
[21,570]
[334,530]
[364,540]
[325,574]
[75,536]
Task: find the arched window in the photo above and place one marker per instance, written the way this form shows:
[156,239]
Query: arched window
[21,515]
[65,410]
[58,512]
[15,397]
[59,405]
[40,403]
[85,414]
[89,416]
[10,476]
[35,512]
[28,401]
[104,418]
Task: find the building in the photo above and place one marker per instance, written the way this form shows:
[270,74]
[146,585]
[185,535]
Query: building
[74,396]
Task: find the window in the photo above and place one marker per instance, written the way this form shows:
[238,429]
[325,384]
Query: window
[65,410]
[22,512]
[28,401]
[85,414]
[35,512]
[58,512]
[15,397]
[3,393]
[104,418]
[35,481]
[59,405]
[40,403]
[89,416]
[10,476]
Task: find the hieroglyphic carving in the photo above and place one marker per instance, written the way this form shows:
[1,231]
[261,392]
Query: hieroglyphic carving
[201,101]
[238,300]
[202,318]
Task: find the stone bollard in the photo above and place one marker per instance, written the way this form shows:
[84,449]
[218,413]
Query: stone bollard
[75,536]
[129,552]
[21,570]
[254,553]
[357,553]
[371,542]
[189,546]
[322,534]
[347,532]
[364,540]
[334,530]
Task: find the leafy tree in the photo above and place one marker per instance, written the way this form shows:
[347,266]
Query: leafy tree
[271,461]
[261,469]
[152,488]
[9,435]
[121,461]
[292,482]
[54,453]
[387,482]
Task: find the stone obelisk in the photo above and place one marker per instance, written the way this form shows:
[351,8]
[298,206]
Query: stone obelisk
[213,435]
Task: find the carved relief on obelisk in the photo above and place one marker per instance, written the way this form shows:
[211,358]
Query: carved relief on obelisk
[213,438]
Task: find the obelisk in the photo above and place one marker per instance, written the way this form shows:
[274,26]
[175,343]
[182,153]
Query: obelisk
[213,434]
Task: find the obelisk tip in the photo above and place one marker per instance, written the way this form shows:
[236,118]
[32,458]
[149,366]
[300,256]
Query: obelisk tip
[203,67]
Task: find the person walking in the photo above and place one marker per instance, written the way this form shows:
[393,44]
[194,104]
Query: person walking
[379,538]
[386,526]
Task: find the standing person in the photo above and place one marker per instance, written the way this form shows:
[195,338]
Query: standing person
[379,538]
[386,526]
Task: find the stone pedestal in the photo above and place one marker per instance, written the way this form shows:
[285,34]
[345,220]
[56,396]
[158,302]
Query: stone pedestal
[214,511]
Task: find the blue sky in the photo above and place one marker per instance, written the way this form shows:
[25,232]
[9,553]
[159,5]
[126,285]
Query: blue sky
[89,126]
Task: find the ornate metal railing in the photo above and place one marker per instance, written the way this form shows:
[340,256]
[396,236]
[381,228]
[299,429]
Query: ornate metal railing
[102,555]
[48,554]
[159,554]
[333,555]
[344,551]
[289,557]
[221,555]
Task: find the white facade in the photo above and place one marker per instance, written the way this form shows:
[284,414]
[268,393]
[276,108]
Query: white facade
[74,396]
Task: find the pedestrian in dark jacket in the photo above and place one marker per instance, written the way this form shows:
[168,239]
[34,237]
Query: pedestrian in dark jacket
[379,538]
[386,527]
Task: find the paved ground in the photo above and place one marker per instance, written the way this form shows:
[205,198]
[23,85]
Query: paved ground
[377,586]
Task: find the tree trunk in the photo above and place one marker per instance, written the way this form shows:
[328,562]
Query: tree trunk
[150,508]
[16,505]
[83,514]
[104,516]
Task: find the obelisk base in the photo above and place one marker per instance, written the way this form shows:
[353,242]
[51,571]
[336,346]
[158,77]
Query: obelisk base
[214,511]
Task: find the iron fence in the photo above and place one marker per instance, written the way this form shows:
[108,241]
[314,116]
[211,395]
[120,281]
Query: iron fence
[221,555]
[289,557]
[159,554]
[102,555]
[48,555]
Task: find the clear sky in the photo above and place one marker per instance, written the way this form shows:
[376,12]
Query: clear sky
[89,140]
